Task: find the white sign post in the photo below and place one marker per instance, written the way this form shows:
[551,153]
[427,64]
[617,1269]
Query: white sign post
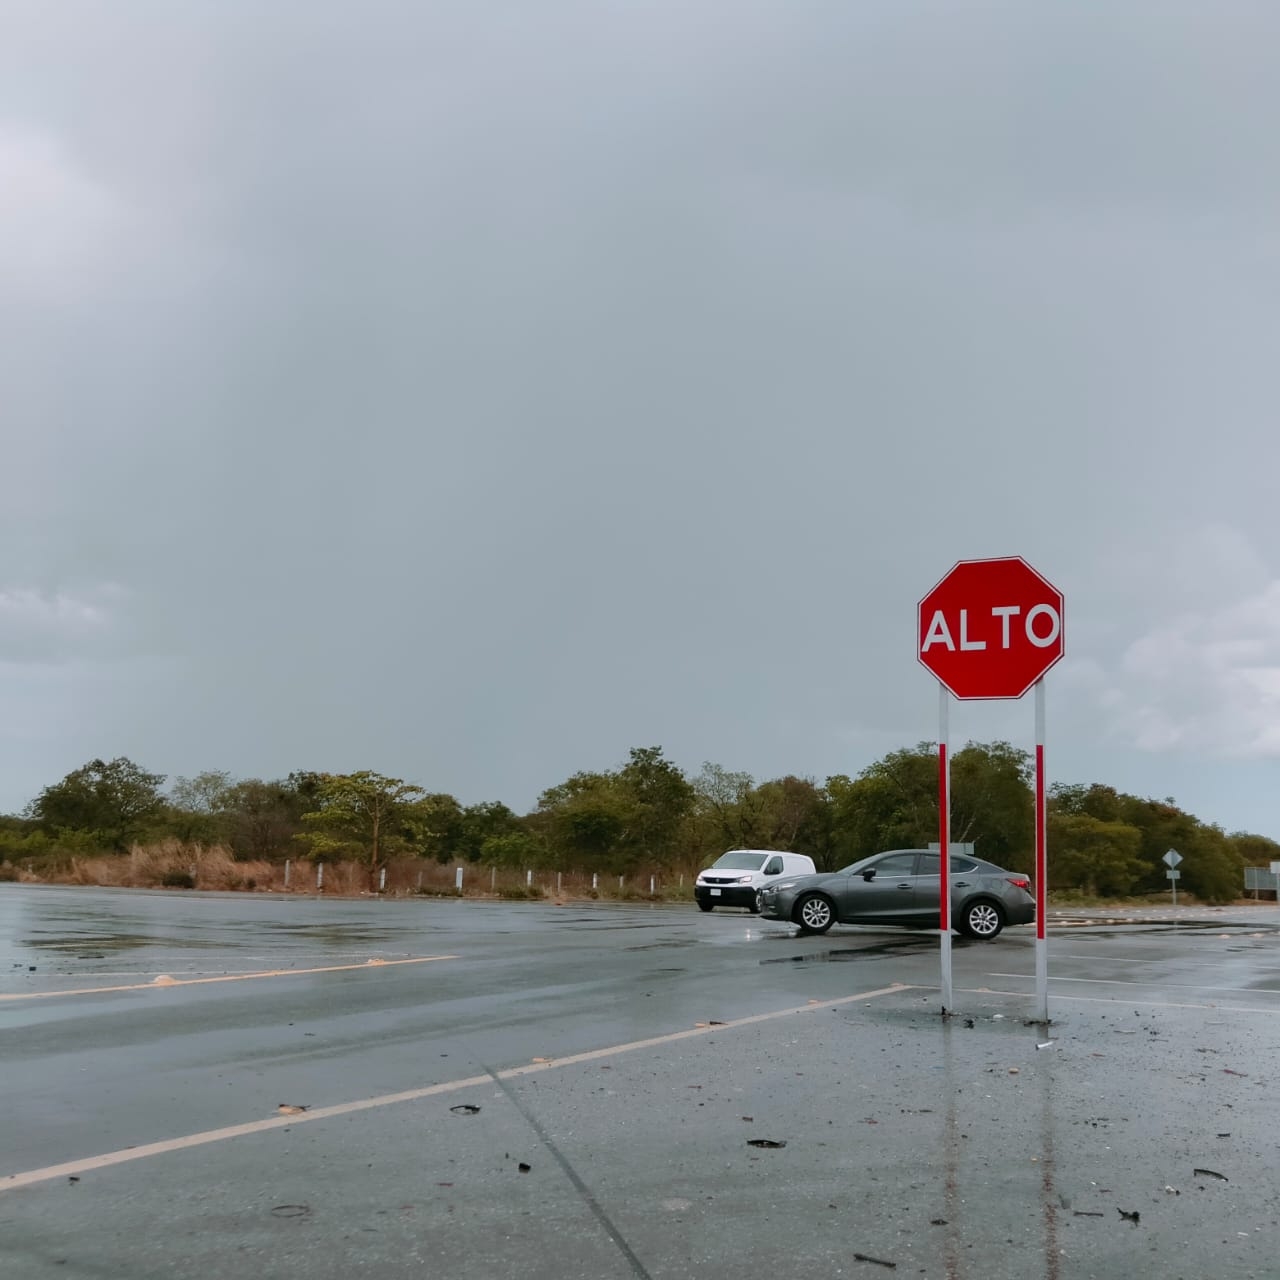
[944,839]
[1275,871]
[1173,875]
[1009,624]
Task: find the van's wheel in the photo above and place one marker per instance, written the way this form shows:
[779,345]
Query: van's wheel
[982,920]
[814,914]
[705,906]
[755,904]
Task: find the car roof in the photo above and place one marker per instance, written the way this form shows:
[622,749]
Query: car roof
[969,857]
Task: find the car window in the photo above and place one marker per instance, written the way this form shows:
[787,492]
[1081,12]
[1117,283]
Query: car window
[896,864]
[931,863]
[740,861]
[773,867]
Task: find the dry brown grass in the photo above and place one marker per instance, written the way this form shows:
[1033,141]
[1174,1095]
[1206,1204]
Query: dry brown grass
[213,867]
[146,866]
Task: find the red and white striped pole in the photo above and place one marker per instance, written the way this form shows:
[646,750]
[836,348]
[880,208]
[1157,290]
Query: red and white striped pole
[944,842]
[1042,871]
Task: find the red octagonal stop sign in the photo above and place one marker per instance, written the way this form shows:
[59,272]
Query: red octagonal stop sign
[990,628]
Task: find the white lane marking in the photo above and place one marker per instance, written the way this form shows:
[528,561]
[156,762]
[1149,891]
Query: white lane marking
[1155,982]
[156,985]
[1115,1000]
[1071,955]
[278,961]
[74,1168]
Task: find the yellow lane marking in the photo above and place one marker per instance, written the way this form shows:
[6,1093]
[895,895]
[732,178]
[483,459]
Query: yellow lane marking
[163,982]
[74,1168]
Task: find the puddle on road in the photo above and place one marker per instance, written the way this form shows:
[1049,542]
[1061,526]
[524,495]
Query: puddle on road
[336,934]
[115,942]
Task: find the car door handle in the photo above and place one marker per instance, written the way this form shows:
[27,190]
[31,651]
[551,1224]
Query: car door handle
[961,884]
[906,885]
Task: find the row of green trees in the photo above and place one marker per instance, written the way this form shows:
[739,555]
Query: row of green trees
[648,813]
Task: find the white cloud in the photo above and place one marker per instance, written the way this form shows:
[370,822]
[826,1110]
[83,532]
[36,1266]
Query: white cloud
[57,226]
[1208,679]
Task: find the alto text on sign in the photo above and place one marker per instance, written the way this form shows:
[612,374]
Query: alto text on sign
[990,628]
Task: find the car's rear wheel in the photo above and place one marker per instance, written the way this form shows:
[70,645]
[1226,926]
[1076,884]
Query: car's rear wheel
[815,914]
[982,920]
[705,906]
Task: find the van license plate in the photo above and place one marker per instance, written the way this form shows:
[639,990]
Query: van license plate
[715,893]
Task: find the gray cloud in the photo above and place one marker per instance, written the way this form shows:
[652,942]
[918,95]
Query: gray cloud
[473,392]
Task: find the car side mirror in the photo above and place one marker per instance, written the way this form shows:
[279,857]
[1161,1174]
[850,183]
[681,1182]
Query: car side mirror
[773,871]
[869,873]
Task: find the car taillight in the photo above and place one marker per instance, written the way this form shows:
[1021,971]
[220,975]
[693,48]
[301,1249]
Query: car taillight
[1019,882]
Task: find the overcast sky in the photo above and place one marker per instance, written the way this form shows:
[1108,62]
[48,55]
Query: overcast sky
[474,391]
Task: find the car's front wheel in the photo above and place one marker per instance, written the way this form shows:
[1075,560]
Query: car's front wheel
[757,904]
[815,914]
[982,920]
[704,906]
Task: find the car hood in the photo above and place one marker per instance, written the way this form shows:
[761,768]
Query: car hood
[815,881]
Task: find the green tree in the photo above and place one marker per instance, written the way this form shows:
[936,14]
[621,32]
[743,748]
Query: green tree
[661,796]
[365,814]
[893,803]
[439,821]
[586,819]
[514,850]
[262,819]
[113,801]
[482,822]
[722,807]
[197,806]
[1254,850]
[1093,856]
[794,814]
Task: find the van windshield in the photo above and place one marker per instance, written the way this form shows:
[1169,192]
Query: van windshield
[742,861]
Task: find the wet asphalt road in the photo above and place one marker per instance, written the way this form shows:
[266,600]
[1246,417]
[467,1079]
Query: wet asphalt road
[590,1039]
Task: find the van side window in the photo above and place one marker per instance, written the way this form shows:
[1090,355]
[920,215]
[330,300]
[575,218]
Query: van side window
[773,867]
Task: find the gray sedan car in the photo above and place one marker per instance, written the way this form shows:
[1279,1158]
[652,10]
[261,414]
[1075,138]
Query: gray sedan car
[900,887]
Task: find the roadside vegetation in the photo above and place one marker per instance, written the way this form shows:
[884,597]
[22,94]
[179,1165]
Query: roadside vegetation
[640,831]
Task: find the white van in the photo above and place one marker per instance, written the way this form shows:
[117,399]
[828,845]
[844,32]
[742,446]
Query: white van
[736,878]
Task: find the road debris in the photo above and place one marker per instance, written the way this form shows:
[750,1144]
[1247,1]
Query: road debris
[879,1262]
[1129,1217]
[1088,1213]
[1226,1071]
[749,1119]
[465,1109]
[1048,1044]
[291,1211]
[524,1168]
[769,1144]
[1209,1173]
[290,1109]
